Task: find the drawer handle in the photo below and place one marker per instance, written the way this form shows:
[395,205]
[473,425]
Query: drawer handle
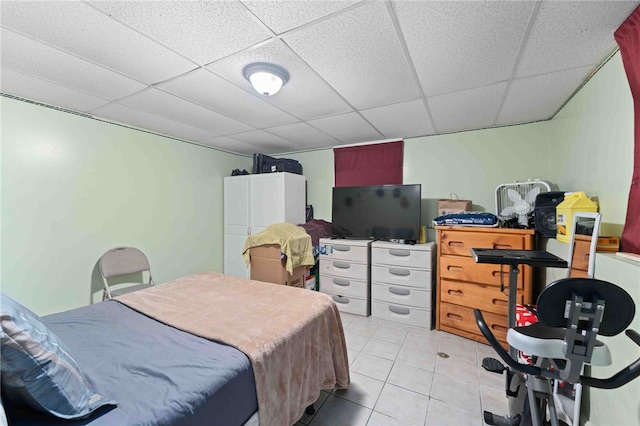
[342,282]
[455,268]
[400,291]
[399,252]
[399,310]
[341,265]
[497,273]
[400,272]
[498,327]
[339,247]
[502,246]
[341,299]
[454,316]
[455,244]
[455,293]
[499,302]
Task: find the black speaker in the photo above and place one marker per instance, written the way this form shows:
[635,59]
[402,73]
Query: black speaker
[544,212]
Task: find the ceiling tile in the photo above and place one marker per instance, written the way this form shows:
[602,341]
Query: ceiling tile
[303,135]
[267,141]
[31,57]
[132,116]
[86,32]
[467,110]
[461,45]
[572,34]
[203,31]
[232,145]
[403,120]
[347,128]
[359,54]
[34,88]
[304,85]
[169,106]
[213,92]
[283,16]
[540,97]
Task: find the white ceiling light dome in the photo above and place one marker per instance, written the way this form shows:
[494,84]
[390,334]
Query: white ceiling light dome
[266,78]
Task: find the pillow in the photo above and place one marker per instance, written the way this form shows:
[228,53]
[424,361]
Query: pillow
[38,369]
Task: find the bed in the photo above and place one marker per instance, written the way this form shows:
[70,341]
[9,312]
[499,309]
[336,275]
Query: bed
[204,349]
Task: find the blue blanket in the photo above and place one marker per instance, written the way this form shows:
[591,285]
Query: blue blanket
[158,375]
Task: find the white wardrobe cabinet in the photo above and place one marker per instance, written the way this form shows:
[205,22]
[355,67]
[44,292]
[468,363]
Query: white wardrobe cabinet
[252,203]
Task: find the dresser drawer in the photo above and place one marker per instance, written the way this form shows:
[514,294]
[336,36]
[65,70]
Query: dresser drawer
[343,286]
[407,296]
[462,318]
[467,269]
[343,269]
[399,275]
[485,298]
[580,260]
[401,314]
[460,243]
[332,249]
[401,257]
[351,305]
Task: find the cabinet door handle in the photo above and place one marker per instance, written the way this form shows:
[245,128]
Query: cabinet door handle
[342,282]
[400,291]
[341,265]
[399,310]
[401,272]
[399,252]
[341,299]
[339,247]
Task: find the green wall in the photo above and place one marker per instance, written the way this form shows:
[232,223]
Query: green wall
[73,188]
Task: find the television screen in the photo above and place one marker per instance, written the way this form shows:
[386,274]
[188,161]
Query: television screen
[384,212]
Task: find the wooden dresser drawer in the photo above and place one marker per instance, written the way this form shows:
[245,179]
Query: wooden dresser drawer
[466,269]
[462,318]
[581,253]
[460,243]
[483,297]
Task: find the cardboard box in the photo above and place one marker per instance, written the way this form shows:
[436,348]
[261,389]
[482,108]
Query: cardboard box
[267,266]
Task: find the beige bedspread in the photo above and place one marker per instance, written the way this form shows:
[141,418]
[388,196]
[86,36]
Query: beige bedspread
[293,336]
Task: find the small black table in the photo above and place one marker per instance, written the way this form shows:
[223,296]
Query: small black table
[514,258]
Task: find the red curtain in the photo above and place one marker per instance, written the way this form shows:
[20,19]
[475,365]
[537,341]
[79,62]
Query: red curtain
[375,164]
[628,38]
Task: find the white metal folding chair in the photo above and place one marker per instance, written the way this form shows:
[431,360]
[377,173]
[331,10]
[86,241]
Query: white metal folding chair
[122,261]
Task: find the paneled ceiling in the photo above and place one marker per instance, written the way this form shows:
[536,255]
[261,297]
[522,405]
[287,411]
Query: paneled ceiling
[360,71]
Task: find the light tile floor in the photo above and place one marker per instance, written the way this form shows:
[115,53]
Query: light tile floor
[397,378]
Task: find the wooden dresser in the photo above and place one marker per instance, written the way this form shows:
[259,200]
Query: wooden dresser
[463,284]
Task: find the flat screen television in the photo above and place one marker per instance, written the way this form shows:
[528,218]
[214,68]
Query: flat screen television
[383,212]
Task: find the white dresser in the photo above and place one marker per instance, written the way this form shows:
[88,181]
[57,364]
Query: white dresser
[401,282]
[344,274]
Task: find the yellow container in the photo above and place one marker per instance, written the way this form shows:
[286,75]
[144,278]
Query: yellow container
[573,202]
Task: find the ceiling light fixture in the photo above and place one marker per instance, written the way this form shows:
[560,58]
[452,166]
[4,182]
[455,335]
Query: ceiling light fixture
[266,78]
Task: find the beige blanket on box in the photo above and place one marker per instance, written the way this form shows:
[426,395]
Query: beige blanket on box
[293,336]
